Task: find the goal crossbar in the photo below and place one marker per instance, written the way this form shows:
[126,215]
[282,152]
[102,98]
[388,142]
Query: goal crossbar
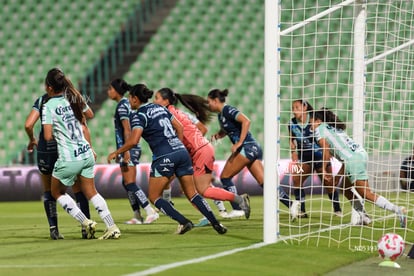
[316,17]
[389,52]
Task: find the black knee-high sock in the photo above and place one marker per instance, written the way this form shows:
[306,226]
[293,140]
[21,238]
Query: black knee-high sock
[133,201]
[300,196]
[83,204]
[49,204]
[334,197]
[284,198]
[229,186]
[139,194]
[204,208]
[167,209]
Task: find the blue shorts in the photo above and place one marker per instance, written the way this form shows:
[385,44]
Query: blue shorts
[315,164]
[46,161]
[176,163]
[67,172]
[47,154]
[251,151]
[311,158]
[135,155]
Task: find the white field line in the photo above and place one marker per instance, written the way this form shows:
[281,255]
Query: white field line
[161,268]
[164,267]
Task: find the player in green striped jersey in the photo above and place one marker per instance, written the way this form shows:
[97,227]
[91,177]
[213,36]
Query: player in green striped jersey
[331,136]
[62,119]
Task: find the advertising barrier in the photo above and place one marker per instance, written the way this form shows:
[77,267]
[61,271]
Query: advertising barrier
[24,183]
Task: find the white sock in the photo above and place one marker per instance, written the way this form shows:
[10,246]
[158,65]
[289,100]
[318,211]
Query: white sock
[102,208]
[149,210]
[220,205]
[385,204]
[70,206]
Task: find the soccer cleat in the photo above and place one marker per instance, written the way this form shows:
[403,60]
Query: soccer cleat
[90,227]
[134,221]
[356,217]
[245,205]
[366,220]
[294,210]
[54,233]
[235,214]
[202,222]
[402,215]
[302,215]
[223,214]
[151,218]
[360,218]
[220,228]
[339,214]
[183,228]
[112,232]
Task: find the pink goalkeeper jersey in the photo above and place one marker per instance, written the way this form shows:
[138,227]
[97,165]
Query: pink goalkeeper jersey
[193,138]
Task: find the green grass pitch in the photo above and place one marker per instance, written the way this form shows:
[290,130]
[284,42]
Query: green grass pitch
[26,249]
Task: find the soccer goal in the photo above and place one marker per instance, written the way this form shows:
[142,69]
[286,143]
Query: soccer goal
[356,58]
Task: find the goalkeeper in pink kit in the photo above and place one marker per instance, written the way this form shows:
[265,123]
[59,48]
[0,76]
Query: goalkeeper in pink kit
[199,148]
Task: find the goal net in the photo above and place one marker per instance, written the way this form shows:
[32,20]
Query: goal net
[356,58]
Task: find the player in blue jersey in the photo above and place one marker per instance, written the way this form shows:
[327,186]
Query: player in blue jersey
[163,133]
[62,120]
[136,196]
[245,151]
[306,158]
[407,173]
[332,138]
[46,158]
[200,149]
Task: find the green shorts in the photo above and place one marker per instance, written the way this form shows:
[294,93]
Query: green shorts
[356,167]
[67,171]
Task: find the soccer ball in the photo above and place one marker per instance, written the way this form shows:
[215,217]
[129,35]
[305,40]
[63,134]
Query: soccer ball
[391,246]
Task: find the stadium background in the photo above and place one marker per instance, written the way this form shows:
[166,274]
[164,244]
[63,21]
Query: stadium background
[190,46]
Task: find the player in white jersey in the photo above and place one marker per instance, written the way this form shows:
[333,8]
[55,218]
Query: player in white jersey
[330,133]
[62,119]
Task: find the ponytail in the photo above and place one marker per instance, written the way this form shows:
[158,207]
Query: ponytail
[120,86]
[76,100]
[57,80]
[197,105]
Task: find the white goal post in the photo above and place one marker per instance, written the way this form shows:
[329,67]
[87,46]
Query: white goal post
[355,57]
